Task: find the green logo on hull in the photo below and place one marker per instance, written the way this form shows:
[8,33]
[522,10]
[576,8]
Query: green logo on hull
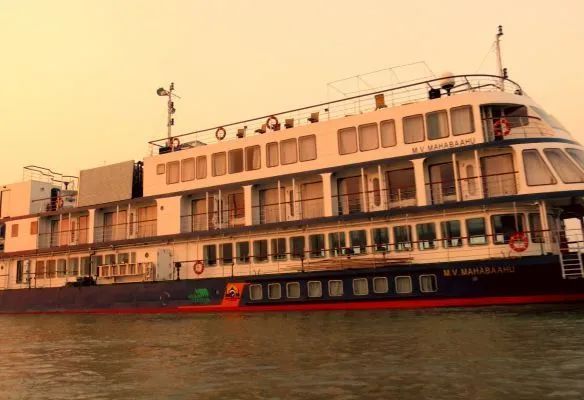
[200,296]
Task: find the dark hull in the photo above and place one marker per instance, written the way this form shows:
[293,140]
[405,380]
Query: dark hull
[479,283]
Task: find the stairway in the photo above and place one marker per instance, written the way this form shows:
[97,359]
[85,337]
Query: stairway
[571,262]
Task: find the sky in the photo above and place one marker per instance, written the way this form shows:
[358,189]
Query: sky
[79,77]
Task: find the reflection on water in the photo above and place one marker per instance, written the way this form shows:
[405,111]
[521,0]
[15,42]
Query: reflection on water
[491,353]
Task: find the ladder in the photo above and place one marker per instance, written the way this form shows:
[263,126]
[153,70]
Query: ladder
[571,261]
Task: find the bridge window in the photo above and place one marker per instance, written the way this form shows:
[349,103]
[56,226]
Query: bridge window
[368,137]
[201,167]
[577,155]
[360,287]
[451,234]
[461,120]
[255,292]
[253,159]
[437,123]
[172,172]
[218,161]
[274,291]
[380,285]
[335,288]
[388,133]
[272,159]
[187,169]
[564,167]
[536,170]
[235,161]
[403,284]
[314,289]
[293,290]
[428,283]
[347,138]
[504,226]
[380,238]
[403,237]
[307,147]
[476,231]
[279,249]
[426,236]
[288,151]
[413,129]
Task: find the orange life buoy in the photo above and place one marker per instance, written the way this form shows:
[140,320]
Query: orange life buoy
[272,123]
[519,242]
[220,133]
[501,127]
[199,267]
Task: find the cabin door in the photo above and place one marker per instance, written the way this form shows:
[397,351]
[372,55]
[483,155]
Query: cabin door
[350,195]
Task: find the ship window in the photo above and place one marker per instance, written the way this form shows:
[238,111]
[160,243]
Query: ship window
[260,250]
[536,170]
[504,226]
[14,230]
[110,259]
[235,161]
[360,287]
[201,167]
[172,172]
[279,249]
[437,123]
[160,169]
[187,169]
[210,255]
[388,133]
[51,268]
[347,139]
[335,288]
[255,292]
[218,163]
[428,283]
[368,137]
[123,258]
[297,247]
[307,147]
[34,227]
[376,192]
[242,249]
[577,155]
[73,269]
[413,129]
[380,285]
[476,231]
[61,267]
[314,289]
[402,236]
[274,291]
[337,243]
[403,284]
[293,290]
[272,154]
[226,254]
[549,119]
[317,246]
[426,236]
[85,266]
[451,234]
[253,159]
[564,167]
[288,151]
[380,238]
[402,185]
[461,119]
[535,228]
[39,270]
[358,241]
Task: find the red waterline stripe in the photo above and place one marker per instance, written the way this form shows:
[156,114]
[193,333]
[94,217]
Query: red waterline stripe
[349,305]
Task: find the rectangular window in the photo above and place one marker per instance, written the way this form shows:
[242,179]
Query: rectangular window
[110,259]
[337,244]
[476,231]
[307,148]
[218,161]
[428,283]
[19,271]
[272,159]
[402,236]
[14,230]
[85,266]
[564,167]
[360,287]
[210,255]
[260,250]
[380,285]
[314,289]
[201,167]
[297,247]
[61,267]
[226,250]
[274,291]
[388,133]
[160,169]
[242,249]
[358,241]
[316,246]
[255,292]
[504,226]
[235,161]
[172,172]
[426,236]
[380,238]
[335,288]
[293,290]
[253,158]
[279,249]
[347,139]
[51,269]
[73,264]
[403,284]
[187,167]
[413,129]
[123,258]
[288,151]
[437,123]
[536,170]
[451,234]
[39,270]
[535,228]
[368,137]
[462,120]
[577,155]
[34,227]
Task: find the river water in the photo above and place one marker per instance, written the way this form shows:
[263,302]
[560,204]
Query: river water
[526,352]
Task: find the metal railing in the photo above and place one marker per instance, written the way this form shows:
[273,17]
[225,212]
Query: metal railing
[54,203]
[125,230]
[213,220]
[69,237]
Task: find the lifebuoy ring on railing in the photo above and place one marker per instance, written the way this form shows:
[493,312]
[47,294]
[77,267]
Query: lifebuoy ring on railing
[220,133]
[519,242]
[501,127]
[199,267]
[272,123]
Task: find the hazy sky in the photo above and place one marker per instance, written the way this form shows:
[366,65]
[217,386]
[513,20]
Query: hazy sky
[79,77]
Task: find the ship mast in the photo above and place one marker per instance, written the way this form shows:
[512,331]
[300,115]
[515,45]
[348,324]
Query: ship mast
[502,72]
[170,111]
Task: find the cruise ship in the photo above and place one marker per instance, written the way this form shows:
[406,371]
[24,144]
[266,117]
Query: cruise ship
[451,191]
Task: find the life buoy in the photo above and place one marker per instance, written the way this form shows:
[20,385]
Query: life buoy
[199,267]
[519,242]
[272,123]
[220,133]
[501,127]
[175,143]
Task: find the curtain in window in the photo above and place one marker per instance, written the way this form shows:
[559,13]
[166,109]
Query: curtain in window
[272,159]
[437,123]
[388,133]
[288,151]
[201,167]
[312,200]
[307,147]
[413,129]
[462,120]
[252,158]
[235,161]
[368,137]
[218,161]
[347,140]
[403,284]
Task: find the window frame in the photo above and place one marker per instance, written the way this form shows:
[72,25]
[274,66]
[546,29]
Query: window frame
[377,278]
[246,160]
[168,169]
[304,138]
[339,141]
[183,167]
[272,144]
[397,286]
[282,143]
[308,292]
[392,121]
[445,112]
[256,285]
[232,156]
[214,157]
[471,119]
[272,285]
[359,130]
[329,287]
[435,280]
[409,117]
[295,284]
[366,284]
